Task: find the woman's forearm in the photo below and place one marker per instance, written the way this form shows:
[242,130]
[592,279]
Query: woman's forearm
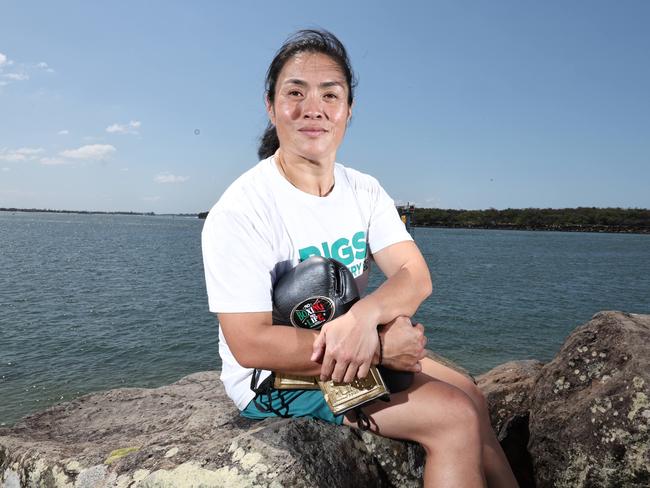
[265,346]
[401,294]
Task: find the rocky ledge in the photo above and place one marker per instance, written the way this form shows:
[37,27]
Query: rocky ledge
[580,420]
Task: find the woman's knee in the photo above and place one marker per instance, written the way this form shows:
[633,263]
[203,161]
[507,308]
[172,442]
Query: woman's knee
[454,412]
[477,397]
[443,373]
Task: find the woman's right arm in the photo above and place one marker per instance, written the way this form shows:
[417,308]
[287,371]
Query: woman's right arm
[257,343]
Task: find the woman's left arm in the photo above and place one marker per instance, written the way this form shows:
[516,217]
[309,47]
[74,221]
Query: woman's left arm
[347,344]
[407,285]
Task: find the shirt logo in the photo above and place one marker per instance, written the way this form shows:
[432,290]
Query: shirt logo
[312,313]
[350,252]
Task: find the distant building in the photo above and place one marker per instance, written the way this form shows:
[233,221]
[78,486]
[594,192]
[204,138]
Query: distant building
[407,214]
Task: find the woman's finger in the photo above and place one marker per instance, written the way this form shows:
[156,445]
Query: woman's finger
[340,371]
[363,371]
[327,368]
[318,349]
[351,373]
[417,367]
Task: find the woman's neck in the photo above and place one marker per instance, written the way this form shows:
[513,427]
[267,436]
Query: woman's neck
[313,177]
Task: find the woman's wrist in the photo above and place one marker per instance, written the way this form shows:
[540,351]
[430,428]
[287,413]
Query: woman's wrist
[365,313]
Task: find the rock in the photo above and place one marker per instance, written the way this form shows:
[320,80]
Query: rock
[190,434]
[590,411]
[582,419]
[507,389]
[579,421]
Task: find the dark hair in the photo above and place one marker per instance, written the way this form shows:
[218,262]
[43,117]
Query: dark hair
[308,40]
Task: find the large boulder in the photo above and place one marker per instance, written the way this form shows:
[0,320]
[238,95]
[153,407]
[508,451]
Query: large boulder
[590,409]
[507,389]
[190,434]
[581,420]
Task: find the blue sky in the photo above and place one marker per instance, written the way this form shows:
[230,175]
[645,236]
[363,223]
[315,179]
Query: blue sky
[157,106]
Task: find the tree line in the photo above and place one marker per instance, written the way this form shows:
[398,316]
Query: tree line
[569,219]
[91,212]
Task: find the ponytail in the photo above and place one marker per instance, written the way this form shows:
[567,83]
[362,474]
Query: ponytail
[269,142]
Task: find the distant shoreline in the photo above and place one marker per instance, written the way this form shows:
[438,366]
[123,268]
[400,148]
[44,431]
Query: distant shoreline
[576,228]
[579,219]
[93,212]
[463,219]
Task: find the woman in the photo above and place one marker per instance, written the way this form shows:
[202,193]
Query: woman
[298,202]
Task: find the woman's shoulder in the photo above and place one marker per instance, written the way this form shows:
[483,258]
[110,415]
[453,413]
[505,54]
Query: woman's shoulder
[359,180]
[248,197]
[253,187]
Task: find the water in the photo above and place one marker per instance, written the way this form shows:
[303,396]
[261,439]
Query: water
[93,302]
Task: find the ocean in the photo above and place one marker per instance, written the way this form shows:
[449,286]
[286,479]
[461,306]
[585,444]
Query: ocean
[94,302]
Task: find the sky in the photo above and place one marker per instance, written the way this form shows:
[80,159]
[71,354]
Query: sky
[158,106]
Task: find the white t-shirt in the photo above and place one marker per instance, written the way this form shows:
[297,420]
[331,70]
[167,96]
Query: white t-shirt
[263,226]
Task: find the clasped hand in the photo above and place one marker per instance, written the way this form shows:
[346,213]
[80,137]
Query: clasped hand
[347,348]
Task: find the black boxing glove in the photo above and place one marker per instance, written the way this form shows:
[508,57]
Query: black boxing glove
[316,291]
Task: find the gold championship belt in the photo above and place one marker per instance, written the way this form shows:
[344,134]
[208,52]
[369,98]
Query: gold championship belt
[314,292]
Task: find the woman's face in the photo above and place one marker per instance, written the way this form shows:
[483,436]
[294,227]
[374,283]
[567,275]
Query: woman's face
[310,111]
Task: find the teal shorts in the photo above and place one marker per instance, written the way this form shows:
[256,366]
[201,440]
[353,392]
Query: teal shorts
[291,403]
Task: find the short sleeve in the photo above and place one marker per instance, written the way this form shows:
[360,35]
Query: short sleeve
[238,262]
[386,226]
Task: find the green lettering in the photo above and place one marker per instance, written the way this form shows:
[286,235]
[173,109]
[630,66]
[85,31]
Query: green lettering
[302,315]
[309,251]
[342,251]
[359,243]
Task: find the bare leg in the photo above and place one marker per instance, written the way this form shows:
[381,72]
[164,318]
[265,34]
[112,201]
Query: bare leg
[445,421]
[497,469]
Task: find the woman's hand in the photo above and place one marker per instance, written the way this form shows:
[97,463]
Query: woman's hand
[347,348]
[403,345]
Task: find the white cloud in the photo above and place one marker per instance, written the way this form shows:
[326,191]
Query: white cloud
[63,132]
[150,199]
[167,177]
[22,154]
[130,128]
[16,76]
[22,71]
[95,152]
[54,161]
[43,65]
[6,170]
[124,169]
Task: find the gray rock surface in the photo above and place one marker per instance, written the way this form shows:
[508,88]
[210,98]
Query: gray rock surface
[590,409]
[190,434]
[507,389]
[579,421]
